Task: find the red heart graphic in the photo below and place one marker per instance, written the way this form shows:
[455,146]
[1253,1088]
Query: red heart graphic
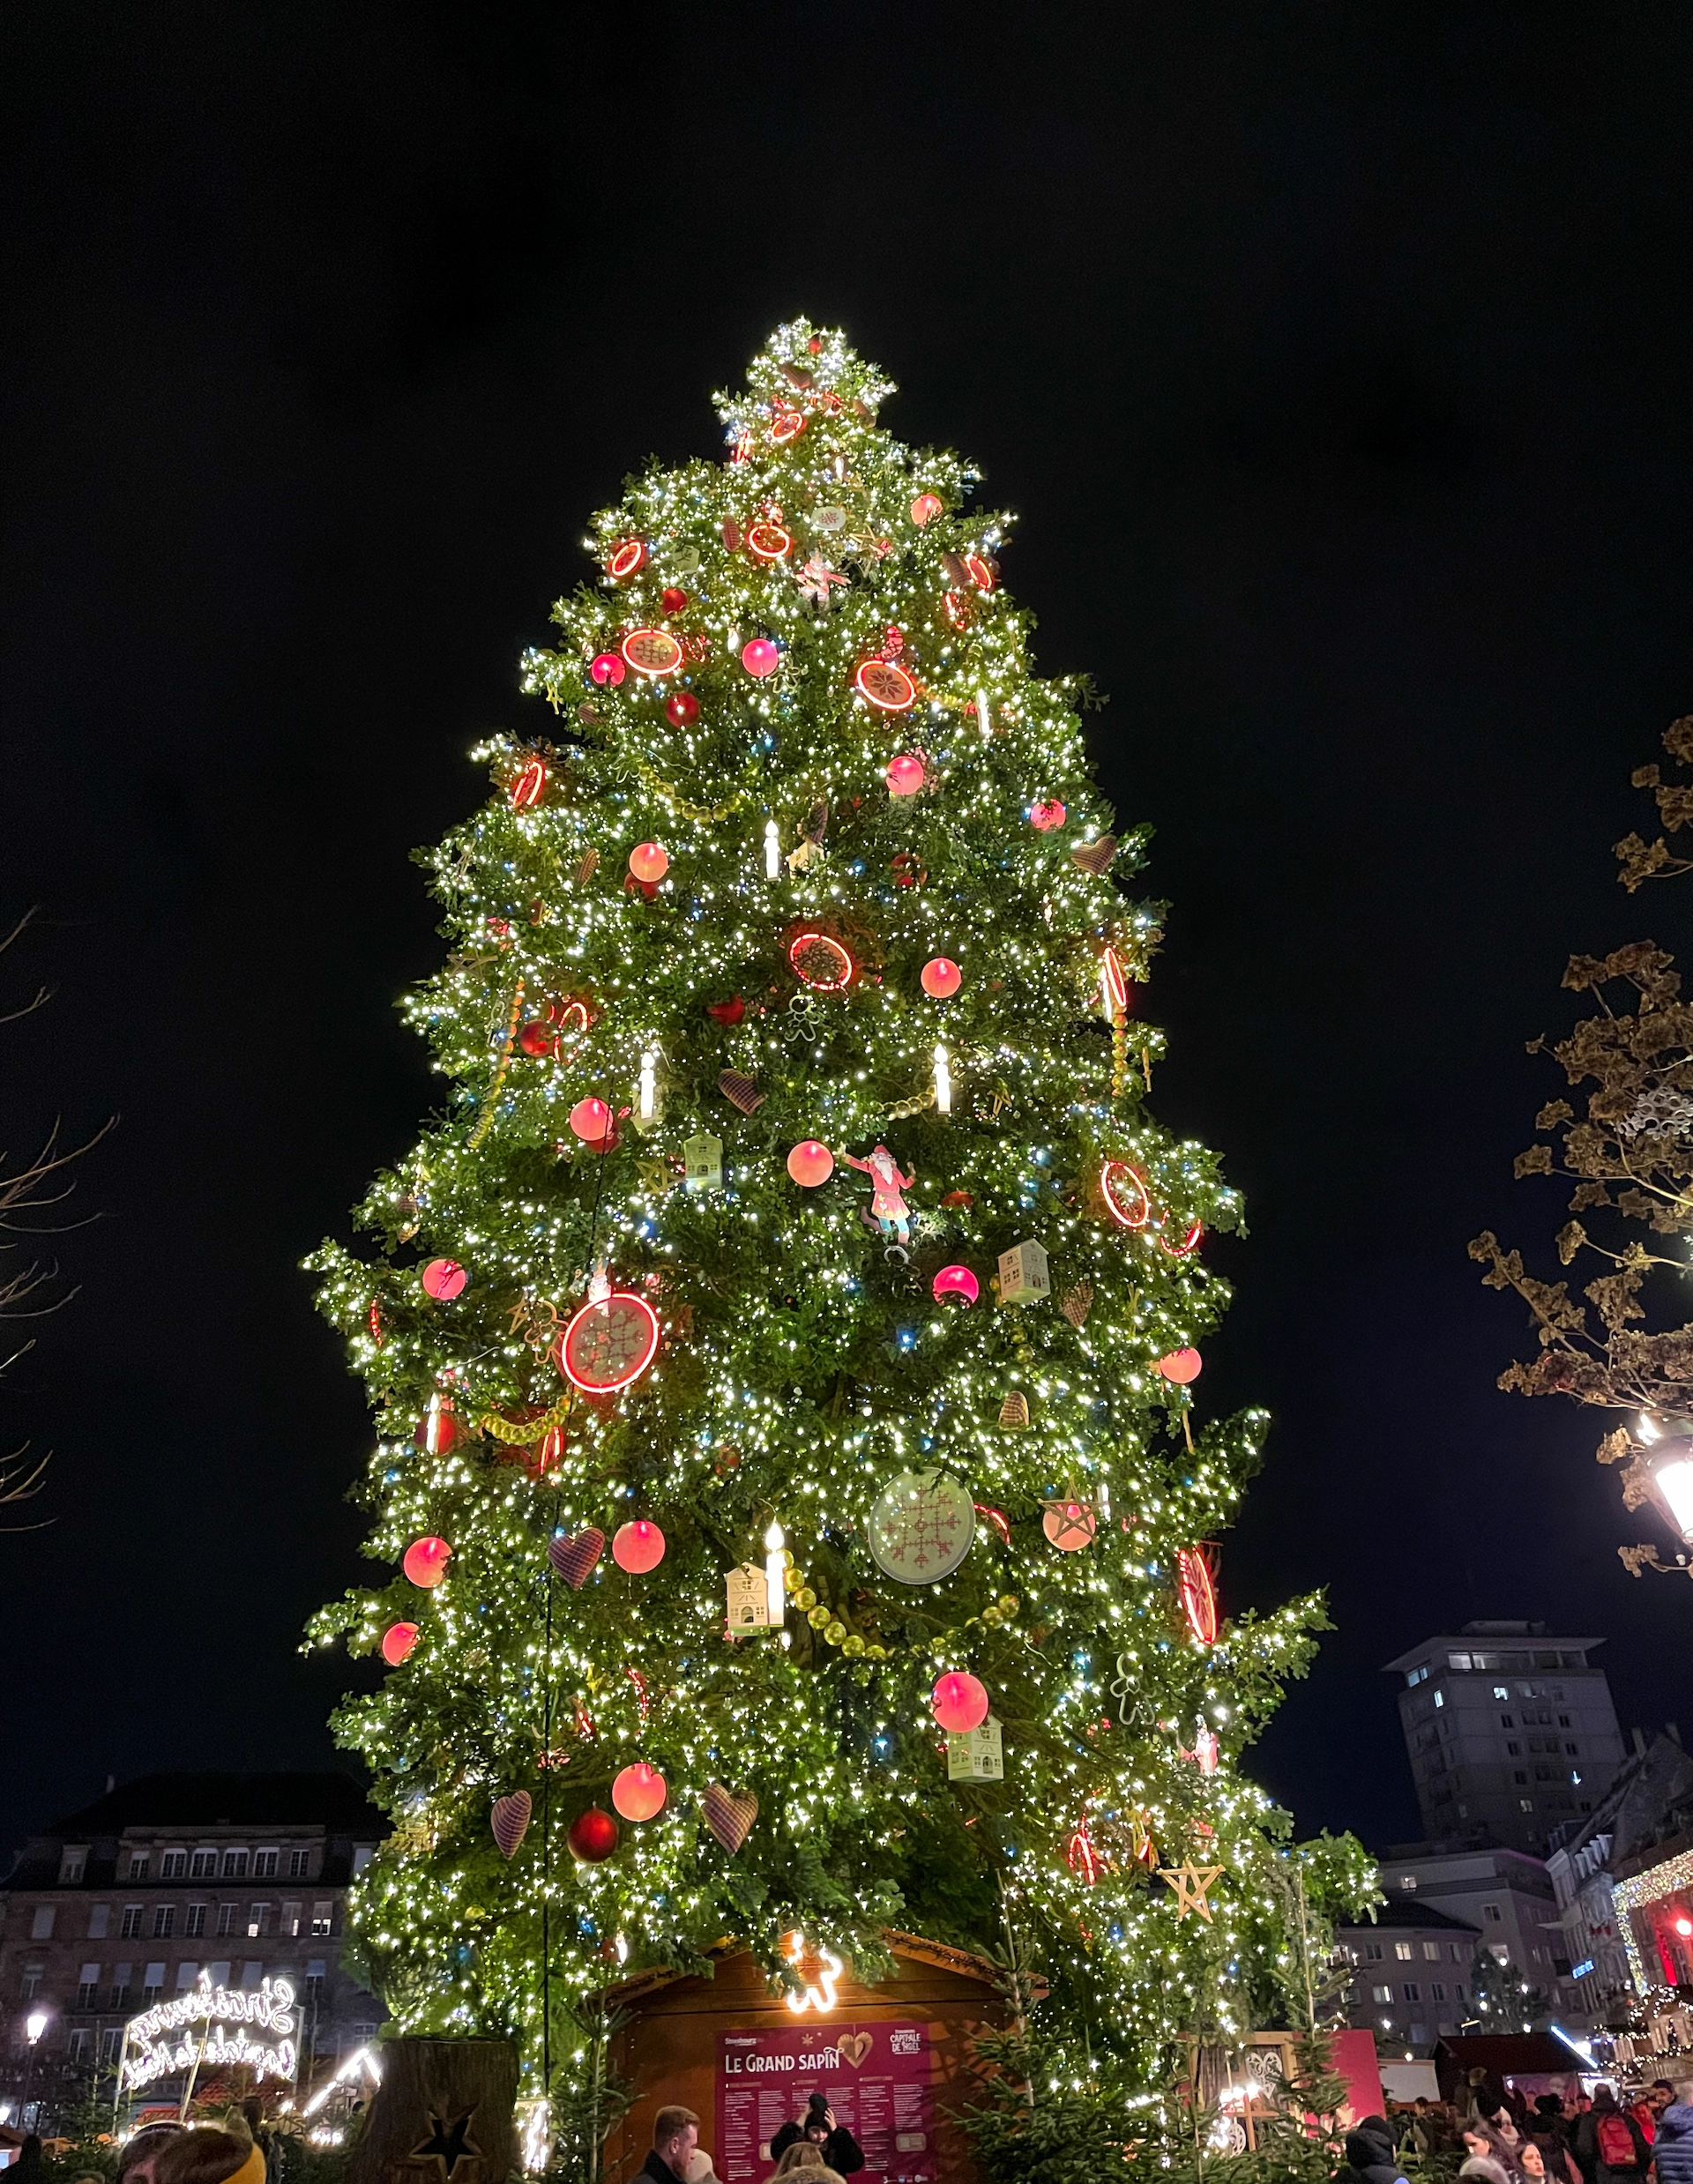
[511,1820]
[574,1559]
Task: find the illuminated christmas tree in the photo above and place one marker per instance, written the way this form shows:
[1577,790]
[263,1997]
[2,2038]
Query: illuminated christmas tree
[785,1345]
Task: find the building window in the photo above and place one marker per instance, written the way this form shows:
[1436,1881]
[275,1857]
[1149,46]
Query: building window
[1524,1804]
[1418,1675]
[1490,1914]
[1410,1991]
[194,1921]
[299,1865]
[1438,1993]
[226,1918]
[363,1853]
[1404,1951]
[100,1919]
[264,1865]
[315,1970]
[323,1918]
[87,1987]
[1440,1698]
[76,2048]
[138,1865]
[1573,1750]
[152,1983]
[1502,1691]
[1565,1721]
[1457,1954]
[1431,1952]
[204,1866]
[1408,1883]
[251,1972]
[120,1994]
[1459,1991]
[258,1919]
[291,1920]
[1383,1994]
[220,1972]
[235,1865]
[131,1921]
[1507,1721]
[40,1927]
[186,1975]
[1459,1660]
[31,1981]
[1373,1950]
[1519,1775]
[71,1867]
[1513,1750]
[111,2043]
[164,1922]
[173,1866]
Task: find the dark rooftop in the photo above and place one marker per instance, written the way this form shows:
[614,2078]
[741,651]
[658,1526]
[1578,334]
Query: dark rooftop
[1406,1911]
[334,1801]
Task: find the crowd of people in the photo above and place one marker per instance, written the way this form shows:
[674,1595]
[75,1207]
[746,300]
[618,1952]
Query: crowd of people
[1506,2139]
[813,2144]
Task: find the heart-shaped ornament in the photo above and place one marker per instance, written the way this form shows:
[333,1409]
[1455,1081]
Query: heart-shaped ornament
[851,2047]
[574,1559]
[509,1820]
[728,1816]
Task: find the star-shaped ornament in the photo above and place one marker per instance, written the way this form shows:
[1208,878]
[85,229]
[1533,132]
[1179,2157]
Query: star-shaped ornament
[1191,1882]
[449,2144]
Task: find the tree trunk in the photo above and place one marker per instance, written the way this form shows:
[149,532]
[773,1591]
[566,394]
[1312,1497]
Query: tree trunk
[442,2114]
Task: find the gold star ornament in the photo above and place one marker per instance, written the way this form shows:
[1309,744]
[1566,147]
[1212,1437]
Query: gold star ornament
[1191,1882]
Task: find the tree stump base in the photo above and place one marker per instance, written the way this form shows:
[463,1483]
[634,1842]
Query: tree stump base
[443,2114]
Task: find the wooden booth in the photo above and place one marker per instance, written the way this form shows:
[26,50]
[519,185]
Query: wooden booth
[890,2060]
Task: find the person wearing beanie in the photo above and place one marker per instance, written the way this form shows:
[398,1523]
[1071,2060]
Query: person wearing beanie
[1370,2157]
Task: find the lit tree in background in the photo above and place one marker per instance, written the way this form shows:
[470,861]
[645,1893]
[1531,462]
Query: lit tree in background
[784,1345]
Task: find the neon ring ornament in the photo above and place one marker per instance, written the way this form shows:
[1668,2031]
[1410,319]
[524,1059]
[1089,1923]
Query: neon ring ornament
[651,652]
[889,689]
[768,541]
[788,426]
[980,575]
[1189,1242]
[1199,1590]
[818,960]
[609,1343]
[1124,1195]
[628,559]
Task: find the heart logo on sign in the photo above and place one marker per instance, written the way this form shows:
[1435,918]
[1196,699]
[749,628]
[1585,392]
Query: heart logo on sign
[851,2047]
[574,1559]
[728,1816]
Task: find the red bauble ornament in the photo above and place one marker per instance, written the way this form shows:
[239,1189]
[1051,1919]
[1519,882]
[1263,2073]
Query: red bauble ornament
[810,1164]
[956,1281]
[651,652]
[941,978]
[672,599]
[397,1642]
[628,558]
[638,1793]
[443,1279]
[606,667]
[638,1547]
[760,657]
[1181,1366]
[682,709]
[730,1011]
[960,1703]
[425,1562]
[537,1038]
[592,1836]
[590,1119]
[437,1429]
[925,508]
[1045,817]
[905,775]
[649,862]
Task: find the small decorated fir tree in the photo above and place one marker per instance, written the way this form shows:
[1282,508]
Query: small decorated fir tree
[784,1345]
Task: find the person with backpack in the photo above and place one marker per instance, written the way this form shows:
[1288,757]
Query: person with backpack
[1610,2145]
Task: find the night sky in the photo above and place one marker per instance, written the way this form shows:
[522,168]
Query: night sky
[1336,360]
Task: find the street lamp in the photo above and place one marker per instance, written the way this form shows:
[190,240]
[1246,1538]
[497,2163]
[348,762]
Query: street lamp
[1668,1462]
[35,2025]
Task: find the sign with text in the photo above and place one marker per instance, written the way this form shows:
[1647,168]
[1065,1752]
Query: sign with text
[876,2077]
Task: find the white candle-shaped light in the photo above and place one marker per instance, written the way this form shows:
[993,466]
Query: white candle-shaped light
[943,1082]
[1107,1001]
[772,851]
[984,714]
[649,1086]
[775,1571]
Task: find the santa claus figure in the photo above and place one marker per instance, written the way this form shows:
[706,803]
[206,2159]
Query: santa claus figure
[888,1208]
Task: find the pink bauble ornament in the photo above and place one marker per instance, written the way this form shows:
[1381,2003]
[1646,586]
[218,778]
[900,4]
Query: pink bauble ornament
[608,667]
[639,1791]
[509,1820]
[925,508]
[956,1281]
[1181,1366]
[425,1562]
[1070,1526]
[649,862]
[397,1642]
[960,1703]
[638,1547]
[591,1120]
[760,657]
[905,775]
[443,1279]
[1044,817]
[942,978]
[810,1164]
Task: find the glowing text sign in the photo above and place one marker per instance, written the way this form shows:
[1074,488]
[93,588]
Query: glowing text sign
[153,2053]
